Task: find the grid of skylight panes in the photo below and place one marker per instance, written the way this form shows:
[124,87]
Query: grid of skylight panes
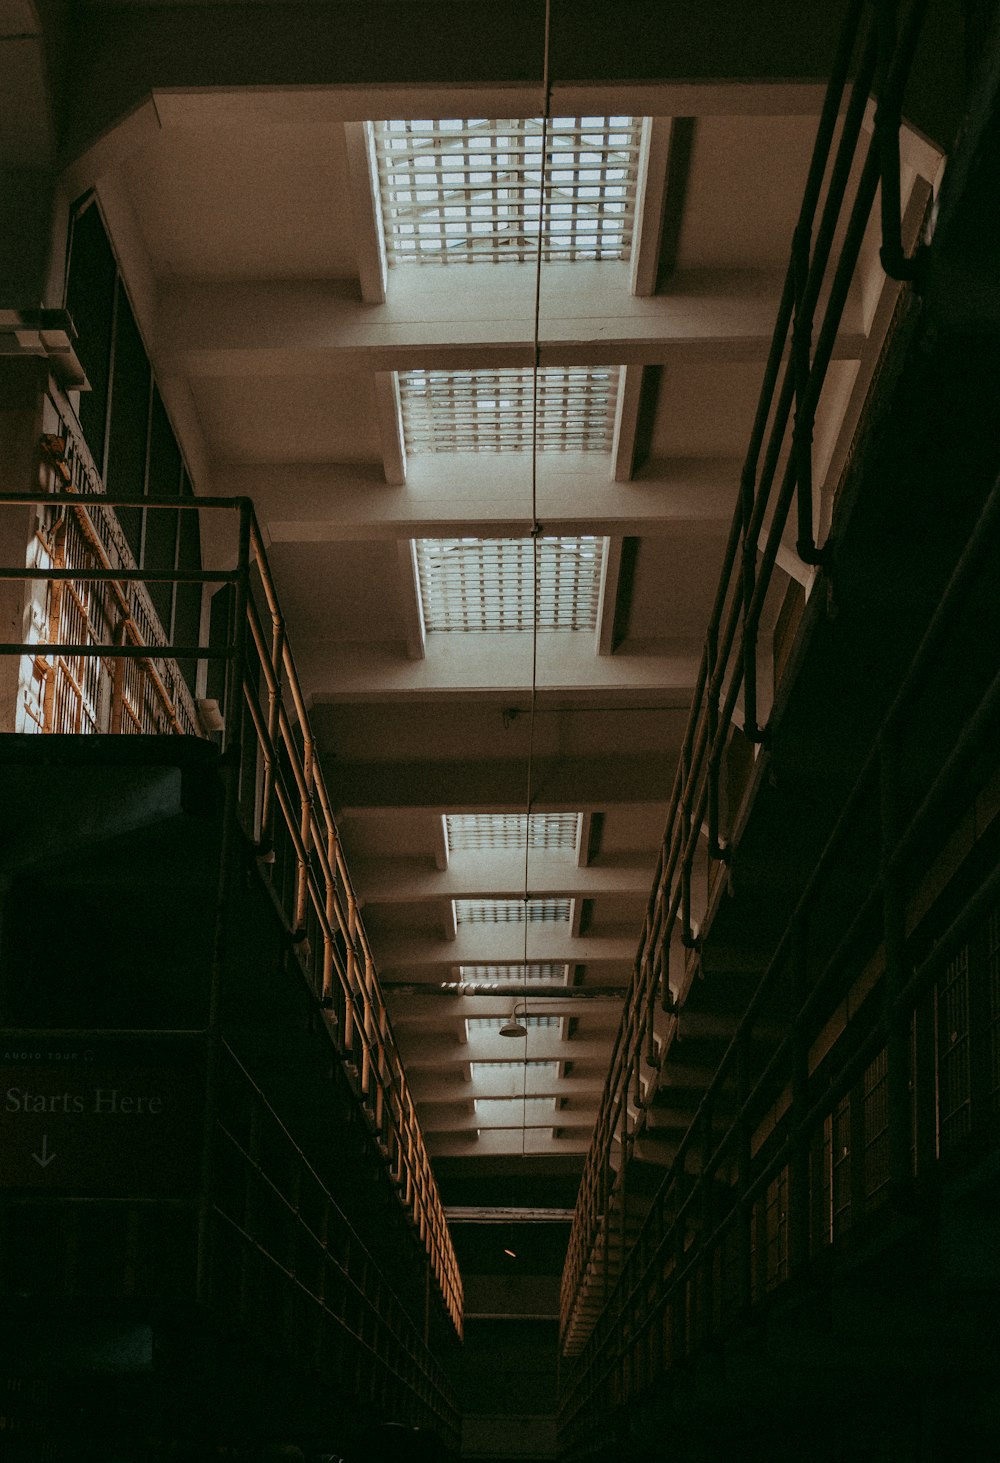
[488,584]
[571,409]
[541,1068]
[485,1025]
[469,190]
[512,1112]
[554,832]
[544,972]
[512,911]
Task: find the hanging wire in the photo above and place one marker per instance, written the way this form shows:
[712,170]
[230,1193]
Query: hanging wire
[536,529]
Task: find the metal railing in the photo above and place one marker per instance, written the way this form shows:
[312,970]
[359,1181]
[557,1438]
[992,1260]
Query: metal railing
[798,1142]
[276,1219]
[840,190]
[122,675]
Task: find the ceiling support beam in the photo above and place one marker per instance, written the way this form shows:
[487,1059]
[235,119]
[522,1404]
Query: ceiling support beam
[607,608]
[369,238]
[497,873]
[506,990]
[390,427]
[409,597]
[652,193]
[448,495]
[623,443]
[678,173]
[306,327]
[404,950]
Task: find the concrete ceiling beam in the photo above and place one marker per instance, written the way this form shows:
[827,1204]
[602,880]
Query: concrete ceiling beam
[507,664]
[448,320]
[499,944]
[485,495]
[566,784]
[495,873]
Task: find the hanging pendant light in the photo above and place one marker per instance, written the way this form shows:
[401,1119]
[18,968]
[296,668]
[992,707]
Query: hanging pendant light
[513,1026]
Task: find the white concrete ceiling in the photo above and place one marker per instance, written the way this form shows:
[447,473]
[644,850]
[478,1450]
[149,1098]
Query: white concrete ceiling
[246,238]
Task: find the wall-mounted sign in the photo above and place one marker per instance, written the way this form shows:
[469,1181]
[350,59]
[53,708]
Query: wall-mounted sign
[116,1121]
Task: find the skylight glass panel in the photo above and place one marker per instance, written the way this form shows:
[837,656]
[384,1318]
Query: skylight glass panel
[512,911]
[470,190]
[488,584]
[554,832]
[512,1112]
[545,971]
[571,410]
[535,1068]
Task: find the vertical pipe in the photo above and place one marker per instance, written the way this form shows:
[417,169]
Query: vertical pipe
[273,732]
[228,883]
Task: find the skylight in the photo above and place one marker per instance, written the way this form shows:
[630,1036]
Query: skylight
[535,1068]
[573,409]
[468,190]
[512,1112]
[555,973]
[555,832]
[512,911]
[488,584]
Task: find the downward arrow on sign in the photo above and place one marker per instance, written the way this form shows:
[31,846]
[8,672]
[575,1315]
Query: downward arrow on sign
[44,1158]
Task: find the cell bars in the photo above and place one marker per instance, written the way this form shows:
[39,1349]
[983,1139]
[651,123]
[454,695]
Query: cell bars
[499,411]
[512,911]
[554,832]
[468,190]
[489,584]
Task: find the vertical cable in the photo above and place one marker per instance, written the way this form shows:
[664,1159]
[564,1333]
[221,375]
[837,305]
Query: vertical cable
[535,532]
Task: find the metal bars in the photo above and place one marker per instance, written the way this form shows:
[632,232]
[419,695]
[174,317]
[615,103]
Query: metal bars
[280,793]
[843,1109]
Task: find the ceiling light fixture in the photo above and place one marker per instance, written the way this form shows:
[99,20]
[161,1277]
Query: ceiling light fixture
[513,1026]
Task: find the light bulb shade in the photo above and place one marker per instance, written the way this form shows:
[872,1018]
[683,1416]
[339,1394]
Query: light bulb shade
[513,1026]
